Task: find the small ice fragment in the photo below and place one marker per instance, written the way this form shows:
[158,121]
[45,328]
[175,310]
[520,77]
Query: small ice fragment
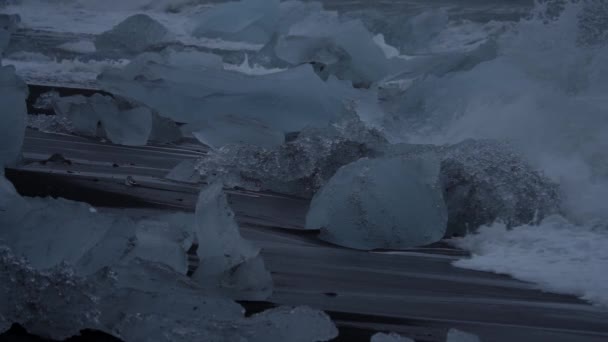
[223,252]
[299,324]
[389,203]
[455,335]
[92,210]
[185,172]
[135,34]
[390,337]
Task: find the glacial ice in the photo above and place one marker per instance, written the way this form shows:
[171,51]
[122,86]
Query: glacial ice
[390,337]
[252,21]
[124,126]
[227,261]
[135,34]
[384,203]
[14,112]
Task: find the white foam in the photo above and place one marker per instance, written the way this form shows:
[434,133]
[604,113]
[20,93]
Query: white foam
[557,255]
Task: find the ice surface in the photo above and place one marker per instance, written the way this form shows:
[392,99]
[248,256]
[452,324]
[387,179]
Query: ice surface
[12,98]
[558,255]
[455,335]
[89,114]
[134,35]
[391,337]
[390,203]
[252,21]
[227,261]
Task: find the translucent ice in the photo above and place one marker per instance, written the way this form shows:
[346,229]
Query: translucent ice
[89,114]
[135,34]
[390,203]
[13,115]
[252,21]
[390,337]
[227,261]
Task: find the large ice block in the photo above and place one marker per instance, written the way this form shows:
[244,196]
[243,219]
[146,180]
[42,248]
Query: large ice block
[13,115]
[135,34]
[89,115]
[252,21]
[385,203]
[277,103]
[227,261]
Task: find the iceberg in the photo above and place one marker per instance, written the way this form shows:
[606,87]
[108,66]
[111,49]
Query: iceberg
[135,34]
[227,261]
[383,203]
[88,115]
[390,337]
[252,21]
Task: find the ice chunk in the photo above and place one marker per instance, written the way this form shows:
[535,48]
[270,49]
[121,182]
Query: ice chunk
[158,241]
[390,337]
[299,324]
[49,232]
[252,21]
[122,126]
[455,335]
[227,261]
[14,112]
[135,34]
[300,166]
[390,203]
[52,304]
[185,172]
[343,48]
[484,181]
[283,102]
